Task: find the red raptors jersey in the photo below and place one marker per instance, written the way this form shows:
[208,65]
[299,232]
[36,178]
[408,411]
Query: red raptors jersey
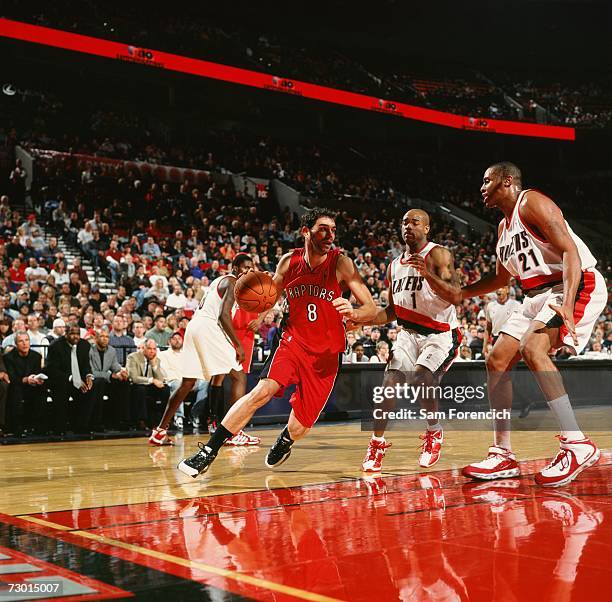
[313,321]
[240,321]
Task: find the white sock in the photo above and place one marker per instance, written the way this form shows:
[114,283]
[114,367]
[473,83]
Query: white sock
[564,413]
[434,427]
[502,433]
[379,439]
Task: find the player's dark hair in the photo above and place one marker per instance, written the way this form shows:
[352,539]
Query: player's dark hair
[505,168]
[240,259]
[309,219]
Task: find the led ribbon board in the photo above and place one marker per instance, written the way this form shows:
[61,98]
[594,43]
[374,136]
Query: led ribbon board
[174,62]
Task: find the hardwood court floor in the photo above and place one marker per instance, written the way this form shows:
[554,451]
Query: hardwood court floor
[116,517]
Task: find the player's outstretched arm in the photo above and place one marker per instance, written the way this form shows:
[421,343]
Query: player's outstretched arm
[281,272]
[279,282]
[488,284]
[347,272]
[386,314]
[544,216]
[438,268]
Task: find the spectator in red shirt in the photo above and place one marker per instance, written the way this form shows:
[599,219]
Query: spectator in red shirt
[267,329]
[17,274]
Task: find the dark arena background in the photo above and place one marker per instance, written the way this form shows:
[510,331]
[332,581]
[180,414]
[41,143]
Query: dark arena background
[141,149]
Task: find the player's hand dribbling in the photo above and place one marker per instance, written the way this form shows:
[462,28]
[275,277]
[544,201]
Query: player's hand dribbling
[417,262]
[567,315]
[344,307]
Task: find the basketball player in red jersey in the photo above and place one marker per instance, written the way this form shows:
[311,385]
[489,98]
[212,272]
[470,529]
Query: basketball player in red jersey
[245,325]
[564,296]
[421,281]
[312,341]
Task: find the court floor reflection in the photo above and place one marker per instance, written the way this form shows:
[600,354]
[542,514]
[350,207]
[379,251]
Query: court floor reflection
[431,536]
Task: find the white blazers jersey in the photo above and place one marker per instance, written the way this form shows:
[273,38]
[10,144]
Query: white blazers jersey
[417,307]
[207,350]
[210,306]
[527,256]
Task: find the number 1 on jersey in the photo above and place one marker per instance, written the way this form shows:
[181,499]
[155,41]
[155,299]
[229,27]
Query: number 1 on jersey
[414,300]
[312,312]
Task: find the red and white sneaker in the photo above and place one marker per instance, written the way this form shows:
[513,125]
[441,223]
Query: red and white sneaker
[374,456]
[572,459]
[241,438]
[499,464]
[431,448]
[160,437]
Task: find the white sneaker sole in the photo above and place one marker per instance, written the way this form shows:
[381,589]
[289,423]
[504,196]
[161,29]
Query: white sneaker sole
[590,462]
[278,463]
[363,469]
[247,444]
[430,465]
[189,471]
[502,474]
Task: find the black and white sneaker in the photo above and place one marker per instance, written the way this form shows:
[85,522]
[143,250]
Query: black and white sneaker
[198,463]
[279,452]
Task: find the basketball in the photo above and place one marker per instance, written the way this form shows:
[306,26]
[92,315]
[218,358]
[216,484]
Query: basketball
[255,291]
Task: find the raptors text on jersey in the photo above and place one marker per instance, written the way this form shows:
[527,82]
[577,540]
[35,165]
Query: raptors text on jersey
[313,321]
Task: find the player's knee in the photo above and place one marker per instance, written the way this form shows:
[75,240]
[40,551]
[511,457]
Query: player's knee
[261,394]
[239,376]
[497,361]
[529,352]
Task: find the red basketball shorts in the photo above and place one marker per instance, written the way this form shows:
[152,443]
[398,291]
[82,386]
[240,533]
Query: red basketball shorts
[313,374]
[247,340]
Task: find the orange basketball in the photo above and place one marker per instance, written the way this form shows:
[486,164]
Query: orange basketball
[255,291]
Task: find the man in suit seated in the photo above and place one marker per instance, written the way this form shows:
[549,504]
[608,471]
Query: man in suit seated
[149,393]
[70,375]
[23,392]
[110,379]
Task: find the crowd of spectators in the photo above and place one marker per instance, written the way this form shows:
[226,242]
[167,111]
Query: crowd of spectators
[161,244]
[162,267]
[327,173]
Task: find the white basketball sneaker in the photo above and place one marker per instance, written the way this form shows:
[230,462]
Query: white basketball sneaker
[374,456]
[499,464]
[572,459]
[241,438]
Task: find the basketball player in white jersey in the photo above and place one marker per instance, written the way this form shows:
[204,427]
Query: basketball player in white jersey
[419,280]
[564,296]
[498,312]
[211,351]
